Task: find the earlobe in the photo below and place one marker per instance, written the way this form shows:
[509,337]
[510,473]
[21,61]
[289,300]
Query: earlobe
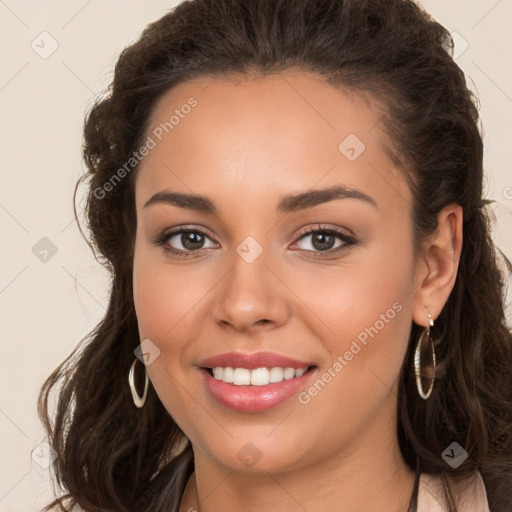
[438,265]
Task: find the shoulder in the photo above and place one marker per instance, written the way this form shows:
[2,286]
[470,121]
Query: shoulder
[431,494]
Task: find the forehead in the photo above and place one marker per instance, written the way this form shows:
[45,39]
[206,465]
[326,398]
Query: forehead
[284,132]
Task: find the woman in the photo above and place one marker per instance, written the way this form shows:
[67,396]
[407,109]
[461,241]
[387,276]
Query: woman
[306,308]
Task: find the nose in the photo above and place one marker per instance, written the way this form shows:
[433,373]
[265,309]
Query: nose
[250,297]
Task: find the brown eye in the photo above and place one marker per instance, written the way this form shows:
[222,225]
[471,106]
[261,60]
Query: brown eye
[191,240]
[182,241]
[323,240]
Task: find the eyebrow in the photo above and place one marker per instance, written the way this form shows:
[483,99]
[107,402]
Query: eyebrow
[287,204]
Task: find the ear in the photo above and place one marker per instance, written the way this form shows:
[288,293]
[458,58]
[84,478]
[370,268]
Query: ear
[437,265]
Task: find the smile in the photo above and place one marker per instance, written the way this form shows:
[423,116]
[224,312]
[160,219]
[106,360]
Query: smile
[256,377]
[252,390]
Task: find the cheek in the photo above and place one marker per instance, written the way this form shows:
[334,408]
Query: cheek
[168,303]
[150,300]
[164,302]
[366,307]
[371,323]
[163,295]
[352,296]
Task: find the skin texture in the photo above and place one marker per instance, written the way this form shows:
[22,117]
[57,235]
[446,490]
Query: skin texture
[245,145]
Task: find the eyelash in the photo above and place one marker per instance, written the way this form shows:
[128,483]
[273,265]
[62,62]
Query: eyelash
[348,241]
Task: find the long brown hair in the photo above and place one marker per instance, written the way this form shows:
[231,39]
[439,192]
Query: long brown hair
[112,456]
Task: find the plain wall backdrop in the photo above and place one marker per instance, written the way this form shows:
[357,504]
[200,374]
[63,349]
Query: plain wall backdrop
[57,56]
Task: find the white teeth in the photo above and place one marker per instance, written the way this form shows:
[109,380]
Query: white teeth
[289,373]
[300,372]
[260,377]
[242,376]
[276,374]
[228,375]
[256,377]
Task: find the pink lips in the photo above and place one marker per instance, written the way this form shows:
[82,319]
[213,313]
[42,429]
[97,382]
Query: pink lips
[253,398]
[252,361]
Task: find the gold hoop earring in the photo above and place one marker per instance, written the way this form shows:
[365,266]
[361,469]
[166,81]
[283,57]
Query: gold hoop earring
[137,399]
[420,349]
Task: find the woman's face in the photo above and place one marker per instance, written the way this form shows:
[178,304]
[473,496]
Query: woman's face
[255,273]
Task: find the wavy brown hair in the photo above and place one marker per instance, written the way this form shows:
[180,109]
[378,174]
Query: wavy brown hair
[114,457]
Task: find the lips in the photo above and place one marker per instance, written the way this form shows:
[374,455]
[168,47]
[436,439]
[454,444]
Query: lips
[253,361]
[254,398]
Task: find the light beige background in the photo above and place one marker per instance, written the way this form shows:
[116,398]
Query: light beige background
[47,307]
